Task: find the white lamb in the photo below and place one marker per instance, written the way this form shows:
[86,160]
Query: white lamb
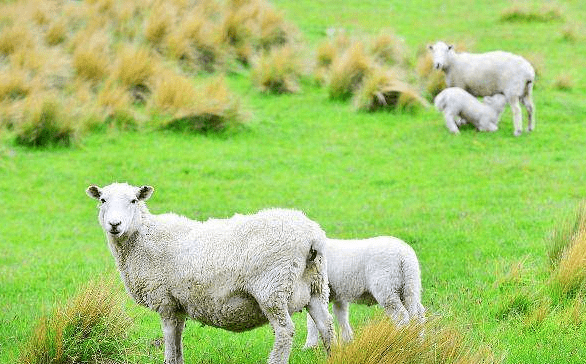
[235,274]
[382,270]
[487,74]
[459,107]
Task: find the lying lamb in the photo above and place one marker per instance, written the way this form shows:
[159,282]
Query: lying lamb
[235,274]
[489,74]
[382,270]
[455,102]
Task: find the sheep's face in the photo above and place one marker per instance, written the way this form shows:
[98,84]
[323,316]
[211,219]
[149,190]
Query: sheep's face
[119,207]
[440,53]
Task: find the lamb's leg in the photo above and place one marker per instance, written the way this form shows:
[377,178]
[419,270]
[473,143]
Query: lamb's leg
[312,334]
[530,107]
[323,320]
[341,312]
[517,117]
[451,122]
[391,302]
[172,331]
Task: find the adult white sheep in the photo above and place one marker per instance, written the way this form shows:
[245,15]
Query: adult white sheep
[235,274]
[382,270]
[459,107]
[487,74]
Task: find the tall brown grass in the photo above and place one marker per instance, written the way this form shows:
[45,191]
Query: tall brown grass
[278,71]
[382,342]
[568,255]
[92,327]
[348,71]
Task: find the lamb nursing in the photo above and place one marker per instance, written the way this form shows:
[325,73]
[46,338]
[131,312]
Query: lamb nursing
[459,107]
[236,274]
[488,74]
[382,270]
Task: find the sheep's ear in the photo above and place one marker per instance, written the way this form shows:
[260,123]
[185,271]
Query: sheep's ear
[144,193]
[430,47]
[450,47]
[94,191]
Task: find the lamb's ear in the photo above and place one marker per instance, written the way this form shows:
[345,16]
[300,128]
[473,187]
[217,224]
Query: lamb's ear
[430,47]
[450,47]
[144,193]
[94,191]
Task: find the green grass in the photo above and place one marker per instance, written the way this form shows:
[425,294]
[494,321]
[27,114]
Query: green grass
[471,205]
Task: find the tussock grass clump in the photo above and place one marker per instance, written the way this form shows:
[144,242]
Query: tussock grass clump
[57,32]
[382,90]
[526,13]
[14,37]
[45,122]
[382,342]
[90,63]
[564,82]
[13,85]
[433,81]
[278,71]
[215,108]
[387,48]
[568,254]
[173,92]
[348,72]
[92,327]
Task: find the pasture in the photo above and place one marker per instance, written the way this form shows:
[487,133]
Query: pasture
[478,208]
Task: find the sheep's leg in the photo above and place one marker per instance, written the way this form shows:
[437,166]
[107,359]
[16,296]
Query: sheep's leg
[172,331]
[517,116]
[391,302]
[323,320]
[283,329]
[342,314]
[451,123]
[312,334]
[530,107]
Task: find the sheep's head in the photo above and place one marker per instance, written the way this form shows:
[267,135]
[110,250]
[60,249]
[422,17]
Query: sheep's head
[440,53]
[119,206]
[497,102]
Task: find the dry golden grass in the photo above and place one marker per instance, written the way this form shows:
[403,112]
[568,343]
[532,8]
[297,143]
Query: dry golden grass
[135,66]
[433,81]
[278,71]
[173,92]
[56,33]
[387,48]
[90,63]
[564,82]
[381,89]
[113,96]
[158,24]
[92,327]
[14,37]
[568,255]
[13,85]
[348,71]
[382,342]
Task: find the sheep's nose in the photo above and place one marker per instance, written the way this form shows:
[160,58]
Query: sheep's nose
[115,224]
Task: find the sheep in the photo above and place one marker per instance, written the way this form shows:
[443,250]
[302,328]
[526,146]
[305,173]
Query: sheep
[455,102]
[382,270]
[236,274]
[487,74]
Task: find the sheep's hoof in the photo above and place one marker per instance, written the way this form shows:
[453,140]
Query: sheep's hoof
[517,133]
[309,346]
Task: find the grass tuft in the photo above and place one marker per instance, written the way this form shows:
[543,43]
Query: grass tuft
[382,342]
[56,33]
[92,327]
[348,72]
[526,13]
[389,49]
[45,123]
[278,71]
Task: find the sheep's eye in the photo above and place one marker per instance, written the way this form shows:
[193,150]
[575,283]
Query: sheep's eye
[134,201]
[103,200]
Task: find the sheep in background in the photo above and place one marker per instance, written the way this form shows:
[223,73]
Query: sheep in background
[236,274]
[454,102]
[382,270]
[487,74]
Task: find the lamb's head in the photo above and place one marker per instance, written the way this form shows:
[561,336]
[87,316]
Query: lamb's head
[120,207]
[440,52]
[496,102]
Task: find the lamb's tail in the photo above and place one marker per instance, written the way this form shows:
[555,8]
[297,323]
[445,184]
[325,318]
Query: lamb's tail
[316,267]
[412,286]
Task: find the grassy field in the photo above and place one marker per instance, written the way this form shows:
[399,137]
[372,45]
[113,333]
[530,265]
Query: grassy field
[478,208]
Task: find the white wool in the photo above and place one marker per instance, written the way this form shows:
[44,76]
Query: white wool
[487,74]
[382,270]
[460,107]
[236,274]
